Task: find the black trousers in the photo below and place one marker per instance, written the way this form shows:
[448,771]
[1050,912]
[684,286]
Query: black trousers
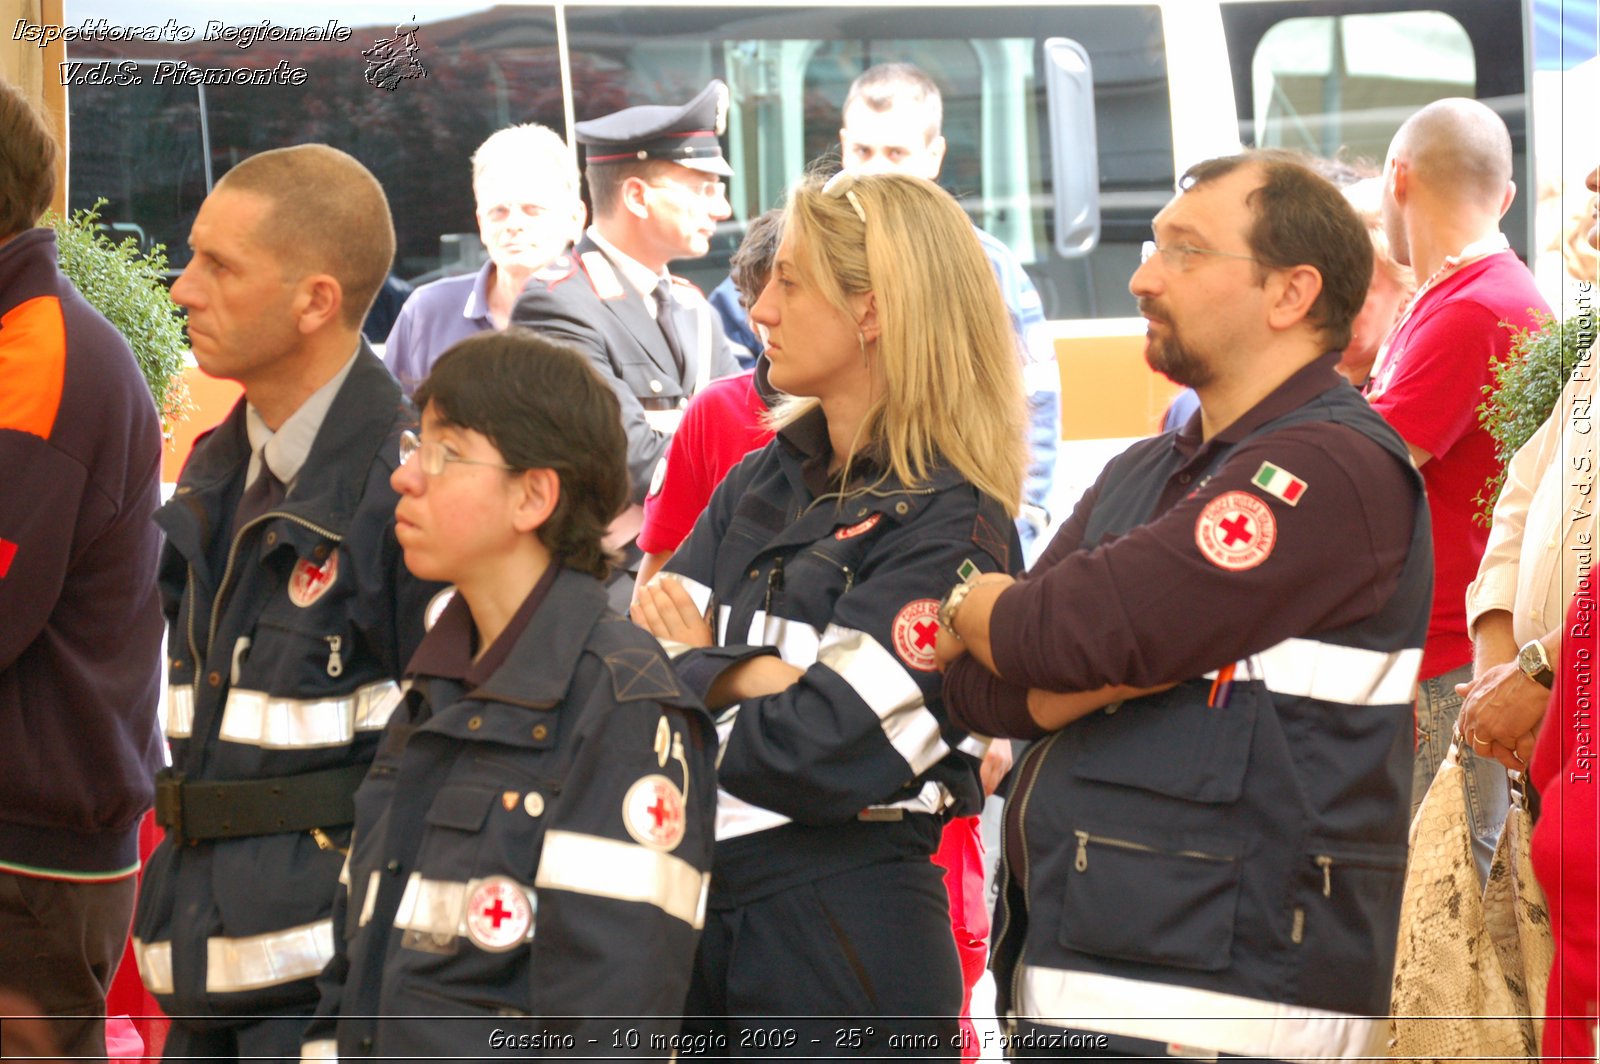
[60,944]
[861,963]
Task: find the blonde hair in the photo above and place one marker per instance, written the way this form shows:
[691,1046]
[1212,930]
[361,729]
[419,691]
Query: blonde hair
[946,356]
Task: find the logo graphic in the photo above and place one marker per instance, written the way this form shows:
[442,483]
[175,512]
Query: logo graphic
[310,582]
[499,915]
[859,529]
[916,634]
[394,59]
[1236,531]
[652,811]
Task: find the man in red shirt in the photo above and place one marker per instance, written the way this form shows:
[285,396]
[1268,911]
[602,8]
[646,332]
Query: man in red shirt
[1447,183]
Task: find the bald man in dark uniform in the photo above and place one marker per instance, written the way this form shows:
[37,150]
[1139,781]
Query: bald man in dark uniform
[655,180]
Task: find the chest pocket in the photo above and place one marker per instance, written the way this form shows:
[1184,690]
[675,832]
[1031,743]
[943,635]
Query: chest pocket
[1172,743]
[507,772]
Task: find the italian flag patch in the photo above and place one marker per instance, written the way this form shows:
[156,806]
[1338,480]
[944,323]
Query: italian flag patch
[1280,482]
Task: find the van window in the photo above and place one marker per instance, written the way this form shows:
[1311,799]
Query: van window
[1344,83]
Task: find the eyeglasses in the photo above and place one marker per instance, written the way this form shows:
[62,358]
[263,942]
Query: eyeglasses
[843,184]
[435,455]
[705,190]
[1177,255]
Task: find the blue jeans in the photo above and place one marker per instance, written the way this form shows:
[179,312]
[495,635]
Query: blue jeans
[1488,795]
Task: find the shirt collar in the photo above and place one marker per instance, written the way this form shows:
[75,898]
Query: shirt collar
[285,450]
[477,305]
[808,438]
[1304,385]
[641,277]
[448,650]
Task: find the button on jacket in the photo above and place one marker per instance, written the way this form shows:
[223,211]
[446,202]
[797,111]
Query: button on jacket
[532,846]
[286,642]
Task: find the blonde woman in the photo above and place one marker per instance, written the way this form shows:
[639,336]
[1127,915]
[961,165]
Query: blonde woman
[819,564]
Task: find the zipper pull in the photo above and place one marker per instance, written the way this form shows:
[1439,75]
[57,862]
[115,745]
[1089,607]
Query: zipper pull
[335,663]
[1326,864]
[849,578]
[1081,862]
[774,584]
[1297,934]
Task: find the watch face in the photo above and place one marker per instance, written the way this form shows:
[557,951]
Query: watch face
[1531,660]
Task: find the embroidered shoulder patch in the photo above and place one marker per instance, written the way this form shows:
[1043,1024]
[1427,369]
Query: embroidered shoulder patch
[1278,481]
[916,634]
[653,813]
[1236,531]
[860,528]
[310,582]
[499,915]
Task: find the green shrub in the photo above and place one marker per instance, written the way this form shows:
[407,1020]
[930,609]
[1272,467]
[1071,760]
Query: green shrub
[1527,385]
[125,285]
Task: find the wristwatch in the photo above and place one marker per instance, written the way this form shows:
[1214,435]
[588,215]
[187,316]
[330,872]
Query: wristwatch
[952,602]
[1535,664]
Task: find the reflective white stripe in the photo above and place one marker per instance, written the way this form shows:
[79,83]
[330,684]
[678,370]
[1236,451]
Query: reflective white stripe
[1205,1019]
[736,817]
[438,906]
[975,745]
[180,710]
[1356,677]
[797,642]
[321,1049]
[890,692]
[259,719]
[934,797]
[626,871]
[344,869]
[268,960]
[155,965]
[369,900]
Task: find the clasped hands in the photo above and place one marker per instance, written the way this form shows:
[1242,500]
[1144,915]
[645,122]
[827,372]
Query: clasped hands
[1500,715]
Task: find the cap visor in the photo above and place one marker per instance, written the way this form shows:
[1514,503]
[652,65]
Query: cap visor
[715,164]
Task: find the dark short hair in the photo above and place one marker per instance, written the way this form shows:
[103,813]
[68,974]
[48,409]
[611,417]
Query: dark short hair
[327,213]
[751,264]
[27,162]
[606,180]
[1301,219]
[543,406]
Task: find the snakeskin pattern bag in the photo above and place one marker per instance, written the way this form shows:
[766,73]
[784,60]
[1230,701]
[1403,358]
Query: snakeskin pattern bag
[1472,967]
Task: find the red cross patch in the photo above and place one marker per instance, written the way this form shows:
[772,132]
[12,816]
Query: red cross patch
[653,813]
[8,552]
[309,582]
[1236,531]
[860,528]
[916,634]
[499,915]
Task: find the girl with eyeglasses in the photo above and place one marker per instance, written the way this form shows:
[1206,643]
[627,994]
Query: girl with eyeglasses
[803,608]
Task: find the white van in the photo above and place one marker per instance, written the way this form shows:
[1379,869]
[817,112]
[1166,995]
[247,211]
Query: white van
[1068,122]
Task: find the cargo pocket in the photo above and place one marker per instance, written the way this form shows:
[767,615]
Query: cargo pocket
[1344,922]
[1155,901]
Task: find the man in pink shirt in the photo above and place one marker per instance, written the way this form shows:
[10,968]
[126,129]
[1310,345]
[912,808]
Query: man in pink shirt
[1447,183]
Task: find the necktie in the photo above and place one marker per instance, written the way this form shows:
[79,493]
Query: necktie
[669,329]
[265,492]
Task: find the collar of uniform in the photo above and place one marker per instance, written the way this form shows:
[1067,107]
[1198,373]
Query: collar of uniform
[1304,385]
[448,650]
[806,442]
[363,418]
[477,305]
[640,278]
[285,450]
[538,664]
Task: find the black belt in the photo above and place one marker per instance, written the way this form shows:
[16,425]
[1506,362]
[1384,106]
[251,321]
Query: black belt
[231,809]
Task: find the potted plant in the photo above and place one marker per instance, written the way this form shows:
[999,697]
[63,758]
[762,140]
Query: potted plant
[1527,385]
[125,285]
